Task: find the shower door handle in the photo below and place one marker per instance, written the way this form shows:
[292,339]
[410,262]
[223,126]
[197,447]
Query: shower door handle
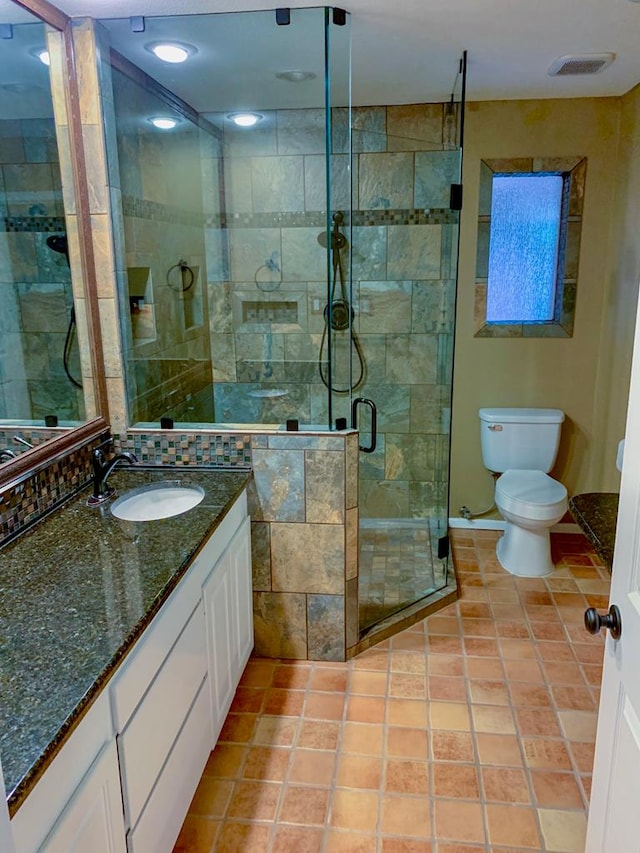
[374,421]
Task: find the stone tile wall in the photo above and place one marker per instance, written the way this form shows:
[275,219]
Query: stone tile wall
[268,292]
[303,502]
[35,282]
[157,194]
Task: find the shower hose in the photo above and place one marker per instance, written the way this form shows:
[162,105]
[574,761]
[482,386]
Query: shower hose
[338,312]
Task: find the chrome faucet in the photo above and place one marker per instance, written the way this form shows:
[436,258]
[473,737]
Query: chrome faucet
[102,468]
[7,454]
[20,440]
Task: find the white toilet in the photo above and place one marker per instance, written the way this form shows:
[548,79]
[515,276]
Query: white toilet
[521,445]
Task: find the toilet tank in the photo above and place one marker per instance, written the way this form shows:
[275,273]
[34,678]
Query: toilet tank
[520,438]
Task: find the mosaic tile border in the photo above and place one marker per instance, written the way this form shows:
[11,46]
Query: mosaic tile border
[34,436]
[317,219]
[25,502]
[44,224]
[157,212]
[187,448]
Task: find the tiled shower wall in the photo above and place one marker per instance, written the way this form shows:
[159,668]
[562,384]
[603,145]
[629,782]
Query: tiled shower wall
[404,270]
[303,502]
[268,285]
[35,283]
[163,305]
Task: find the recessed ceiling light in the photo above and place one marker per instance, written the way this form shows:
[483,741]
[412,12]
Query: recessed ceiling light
[171,51]
[164,122]
[42,54]
[299,76]
[245,119]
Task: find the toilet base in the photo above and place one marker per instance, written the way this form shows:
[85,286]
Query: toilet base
[525,553]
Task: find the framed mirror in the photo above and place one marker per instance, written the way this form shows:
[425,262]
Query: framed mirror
[49,357]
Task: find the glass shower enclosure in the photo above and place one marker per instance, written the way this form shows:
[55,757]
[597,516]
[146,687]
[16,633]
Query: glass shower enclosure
[292,257]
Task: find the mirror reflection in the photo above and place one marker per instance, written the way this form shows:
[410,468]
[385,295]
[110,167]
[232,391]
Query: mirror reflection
[40,375]
[225,206]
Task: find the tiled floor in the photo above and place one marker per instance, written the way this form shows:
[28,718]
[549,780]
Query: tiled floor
[471,731]
[398,565]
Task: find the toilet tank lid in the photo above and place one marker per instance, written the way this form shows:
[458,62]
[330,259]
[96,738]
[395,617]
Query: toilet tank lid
[522,416]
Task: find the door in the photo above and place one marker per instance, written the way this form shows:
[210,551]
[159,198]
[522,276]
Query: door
[614,816]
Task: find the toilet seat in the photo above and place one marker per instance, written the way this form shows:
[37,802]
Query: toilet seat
[530,494]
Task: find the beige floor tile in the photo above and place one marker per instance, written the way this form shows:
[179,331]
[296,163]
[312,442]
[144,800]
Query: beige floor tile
[354,810]
[407,743]
[304,805]
[407,712]
[457,820]
[493,718]
[505,785]
[368,683]
[318,734]
[267,763]
[406,816]
[245,837]
[276,731]
[197,835]
[359,771]
[350,842]
[452,746]
[455,780]
[513,826]
[363,738]
[211,798]
[563,831]
[406,777]
[452,716]
[413,746]
[579,725]
[254,800]
[296,839]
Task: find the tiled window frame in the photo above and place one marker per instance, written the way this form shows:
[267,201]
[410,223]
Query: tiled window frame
[572,169]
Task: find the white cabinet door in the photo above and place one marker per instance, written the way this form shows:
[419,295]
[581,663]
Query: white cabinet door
[218,606]
[240,554]
[229,617]
[92,819]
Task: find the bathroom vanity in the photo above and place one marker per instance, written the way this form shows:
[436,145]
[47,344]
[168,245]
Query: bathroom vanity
[123,644]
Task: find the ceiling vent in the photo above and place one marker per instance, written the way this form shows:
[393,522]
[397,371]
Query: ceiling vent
[589,63]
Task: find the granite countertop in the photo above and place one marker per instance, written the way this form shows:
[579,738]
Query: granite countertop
[76,591]
[597,515]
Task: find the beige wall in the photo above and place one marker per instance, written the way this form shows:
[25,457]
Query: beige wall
[571,374]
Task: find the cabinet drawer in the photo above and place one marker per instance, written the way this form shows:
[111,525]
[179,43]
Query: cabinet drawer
[146,741]
[164,813]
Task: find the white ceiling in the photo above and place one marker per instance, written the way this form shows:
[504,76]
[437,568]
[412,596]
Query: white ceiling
[407,51]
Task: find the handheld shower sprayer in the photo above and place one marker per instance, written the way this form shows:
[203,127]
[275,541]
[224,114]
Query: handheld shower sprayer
[59,243]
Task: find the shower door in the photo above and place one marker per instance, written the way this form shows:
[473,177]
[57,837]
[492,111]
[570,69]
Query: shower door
[403,256]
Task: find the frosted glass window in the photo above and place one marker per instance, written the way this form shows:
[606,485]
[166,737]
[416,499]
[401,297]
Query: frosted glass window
[526,218]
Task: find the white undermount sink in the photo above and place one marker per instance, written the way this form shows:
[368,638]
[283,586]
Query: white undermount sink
[156,501]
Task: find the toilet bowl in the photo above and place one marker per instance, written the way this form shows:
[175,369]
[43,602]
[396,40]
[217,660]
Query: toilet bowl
[531,503]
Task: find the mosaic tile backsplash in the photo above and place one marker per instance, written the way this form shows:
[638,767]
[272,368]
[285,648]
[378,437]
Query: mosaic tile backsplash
[187,448]
[35,495]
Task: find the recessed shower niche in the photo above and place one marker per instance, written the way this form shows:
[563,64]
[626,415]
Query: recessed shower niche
[140,289]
